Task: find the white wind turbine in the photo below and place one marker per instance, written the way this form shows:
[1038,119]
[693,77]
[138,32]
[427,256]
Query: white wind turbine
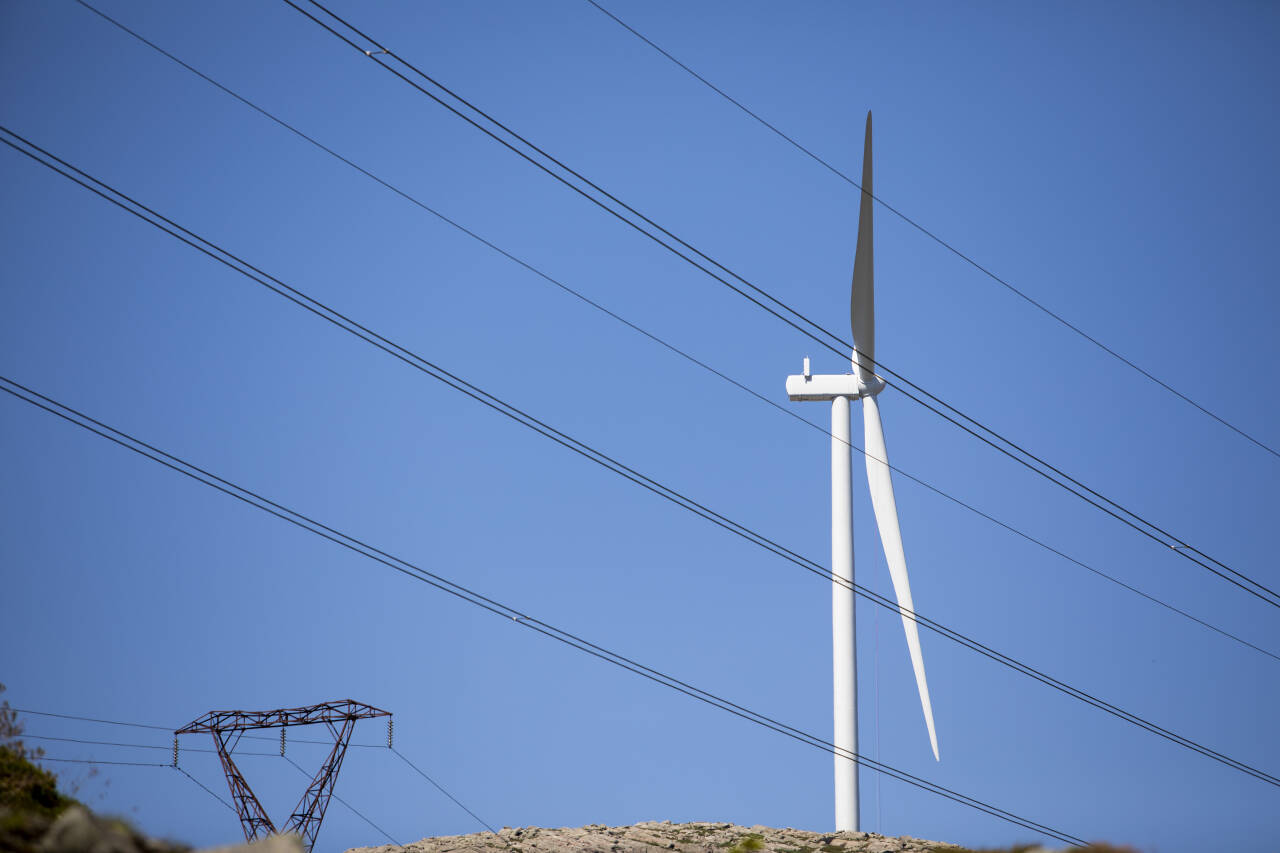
[840,389]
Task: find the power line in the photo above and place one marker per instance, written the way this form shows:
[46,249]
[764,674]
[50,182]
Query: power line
[28,735]
[656,339]
[170,731]
[398,753]
[98,761]
[91,720]
[587,452]
[207,789]
[933,236]
[25,735]
[978,430]
[416,572]
[442,790]
[352,808]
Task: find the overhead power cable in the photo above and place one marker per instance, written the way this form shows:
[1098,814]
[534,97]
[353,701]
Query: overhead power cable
[207,789]
[790,412]
[398,754]
[933,236]
[442,790]
[92,720]
[783,312]
[506,612]
[25,736]
[94,762]
[586,451]
[169,730]
[100,761]
[28,736]
[350,807]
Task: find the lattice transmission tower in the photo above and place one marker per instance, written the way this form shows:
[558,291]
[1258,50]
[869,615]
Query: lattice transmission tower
[227,727]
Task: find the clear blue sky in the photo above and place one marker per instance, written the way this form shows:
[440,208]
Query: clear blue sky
[1115,161]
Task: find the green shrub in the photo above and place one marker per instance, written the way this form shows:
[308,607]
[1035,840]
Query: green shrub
[748,844]
[26,788]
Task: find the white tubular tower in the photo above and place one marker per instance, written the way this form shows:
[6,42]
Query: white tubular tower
[843,631]
[841,389]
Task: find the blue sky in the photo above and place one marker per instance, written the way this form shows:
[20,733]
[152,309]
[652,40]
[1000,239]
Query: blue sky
[1115,162]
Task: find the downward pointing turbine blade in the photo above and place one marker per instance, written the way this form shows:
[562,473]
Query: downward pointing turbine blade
[891,537]
[862,303]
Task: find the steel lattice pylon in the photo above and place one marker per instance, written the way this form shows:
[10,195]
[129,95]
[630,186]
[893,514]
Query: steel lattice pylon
[228,726]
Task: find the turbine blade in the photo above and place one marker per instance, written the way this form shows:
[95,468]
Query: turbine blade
[862,308]
[891,537]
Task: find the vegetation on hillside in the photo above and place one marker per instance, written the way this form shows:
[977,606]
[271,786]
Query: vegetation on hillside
[25,787]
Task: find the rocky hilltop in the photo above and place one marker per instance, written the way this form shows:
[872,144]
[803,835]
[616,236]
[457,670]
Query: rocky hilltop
[676,837]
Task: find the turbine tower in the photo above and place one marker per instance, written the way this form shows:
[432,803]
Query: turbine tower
[840,389]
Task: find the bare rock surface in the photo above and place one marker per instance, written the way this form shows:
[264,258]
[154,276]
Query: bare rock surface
[270,844]
[656,837]
[77,830]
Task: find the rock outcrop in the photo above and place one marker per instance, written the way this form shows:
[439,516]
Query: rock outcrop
[666,836]
[77,830]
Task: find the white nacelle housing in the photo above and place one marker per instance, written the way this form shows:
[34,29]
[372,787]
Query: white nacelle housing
[826,387]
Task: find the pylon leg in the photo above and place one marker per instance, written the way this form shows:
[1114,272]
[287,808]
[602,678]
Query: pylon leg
[308,815]
[253,817]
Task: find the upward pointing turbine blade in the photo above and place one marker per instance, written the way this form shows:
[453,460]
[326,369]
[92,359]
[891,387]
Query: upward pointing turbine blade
[862,301]
[862,318]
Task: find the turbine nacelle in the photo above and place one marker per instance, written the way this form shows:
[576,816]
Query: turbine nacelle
[809,386]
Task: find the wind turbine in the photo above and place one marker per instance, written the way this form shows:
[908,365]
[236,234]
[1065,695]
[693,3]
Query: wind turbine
[840,389]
